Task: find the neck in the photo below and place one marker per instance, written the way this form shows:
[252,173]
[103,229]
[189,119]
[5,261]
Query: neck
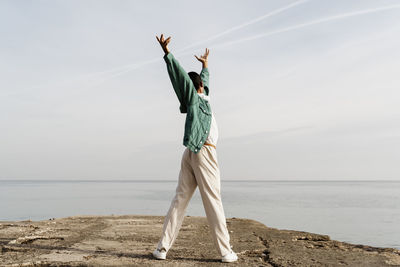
[205,97]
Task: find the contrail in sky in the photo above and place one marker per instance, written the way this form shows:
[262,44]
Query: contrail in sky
[130,67]
[270,14]
[122,72]
[123,69]
[112,73]
[287,29]
[127,68]
[302,25]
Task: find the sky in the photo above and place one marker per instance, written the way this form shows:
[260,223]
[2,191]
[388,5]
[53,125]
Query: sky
[301,90]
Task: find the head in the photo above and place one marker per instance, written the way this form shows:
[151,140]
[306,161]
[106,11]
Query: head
[198,83]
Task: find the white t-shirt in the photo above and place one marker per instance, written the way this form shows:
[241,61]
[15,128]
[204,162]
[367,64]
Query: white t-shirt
[213,135]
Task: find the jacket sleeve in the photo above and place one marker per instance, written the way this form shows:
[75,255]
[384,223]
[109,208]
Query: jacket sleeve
[204,74]
[181,81]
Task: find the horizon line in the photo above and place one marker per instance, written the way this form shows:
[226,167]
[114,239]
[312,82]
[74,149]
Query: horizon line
[222,180]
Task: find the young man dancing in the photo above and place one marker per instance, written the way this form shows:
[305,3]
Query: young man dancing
[199,165]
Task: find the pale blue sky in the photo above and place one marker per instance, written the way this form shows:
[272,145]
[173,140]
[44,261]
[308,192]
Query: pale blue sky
[310,92]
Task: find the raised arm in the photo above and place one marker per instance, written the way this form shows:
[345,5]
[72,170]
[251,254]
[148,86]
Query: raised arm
[204,74]
[180,80]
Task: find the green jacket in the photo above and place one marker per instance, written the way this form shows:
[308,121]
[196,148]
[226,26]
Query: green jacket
[198,110]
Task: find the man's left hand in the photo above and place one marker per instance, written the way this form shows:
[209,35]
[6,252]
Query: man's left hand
[204,58]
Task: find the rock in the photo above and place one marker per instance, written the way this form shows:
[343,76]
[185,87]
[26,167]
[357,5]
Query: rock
[129,241]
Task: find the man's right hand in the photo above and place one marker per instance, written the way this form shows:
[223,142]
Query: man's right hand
[164,43]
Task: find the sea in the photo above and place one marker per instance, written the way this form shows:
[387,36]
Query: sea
[358,212]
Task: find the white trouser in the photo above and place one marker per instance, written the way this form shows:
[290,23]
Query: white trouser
[201,170]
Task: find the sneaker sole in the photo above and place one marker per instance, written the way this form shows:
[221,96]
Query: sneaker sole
[159,258]
[227,261]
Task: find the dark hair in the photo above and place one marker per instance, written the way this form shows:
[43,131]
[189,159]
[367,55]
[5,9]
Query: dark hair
[196,79]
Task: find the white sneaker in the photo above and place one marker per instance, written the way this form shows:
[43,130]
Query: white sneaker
[230,257]
[160,254]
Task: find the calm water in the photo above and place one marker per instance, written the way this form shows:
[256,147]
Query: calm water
[355,212]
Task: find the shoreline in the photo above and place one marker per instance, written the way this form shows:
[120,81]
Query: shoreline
[128,240]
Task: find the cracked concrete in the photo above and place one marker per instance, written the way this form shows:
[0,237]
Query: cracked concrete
[129,240]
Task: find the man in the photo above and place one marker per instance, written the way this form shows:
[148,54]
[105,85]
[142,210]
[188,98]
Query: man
[199,165]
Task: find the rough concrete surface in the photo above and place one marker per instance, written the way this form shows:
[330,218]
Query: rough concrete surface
[129,241]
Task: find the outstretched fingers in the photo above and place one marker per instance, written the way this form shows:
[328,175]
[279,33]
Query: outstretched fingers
[162,41]
[206,53]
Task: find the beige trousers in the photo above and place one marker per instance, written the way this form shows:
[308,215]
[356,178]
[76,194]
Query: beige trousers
[201,170]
